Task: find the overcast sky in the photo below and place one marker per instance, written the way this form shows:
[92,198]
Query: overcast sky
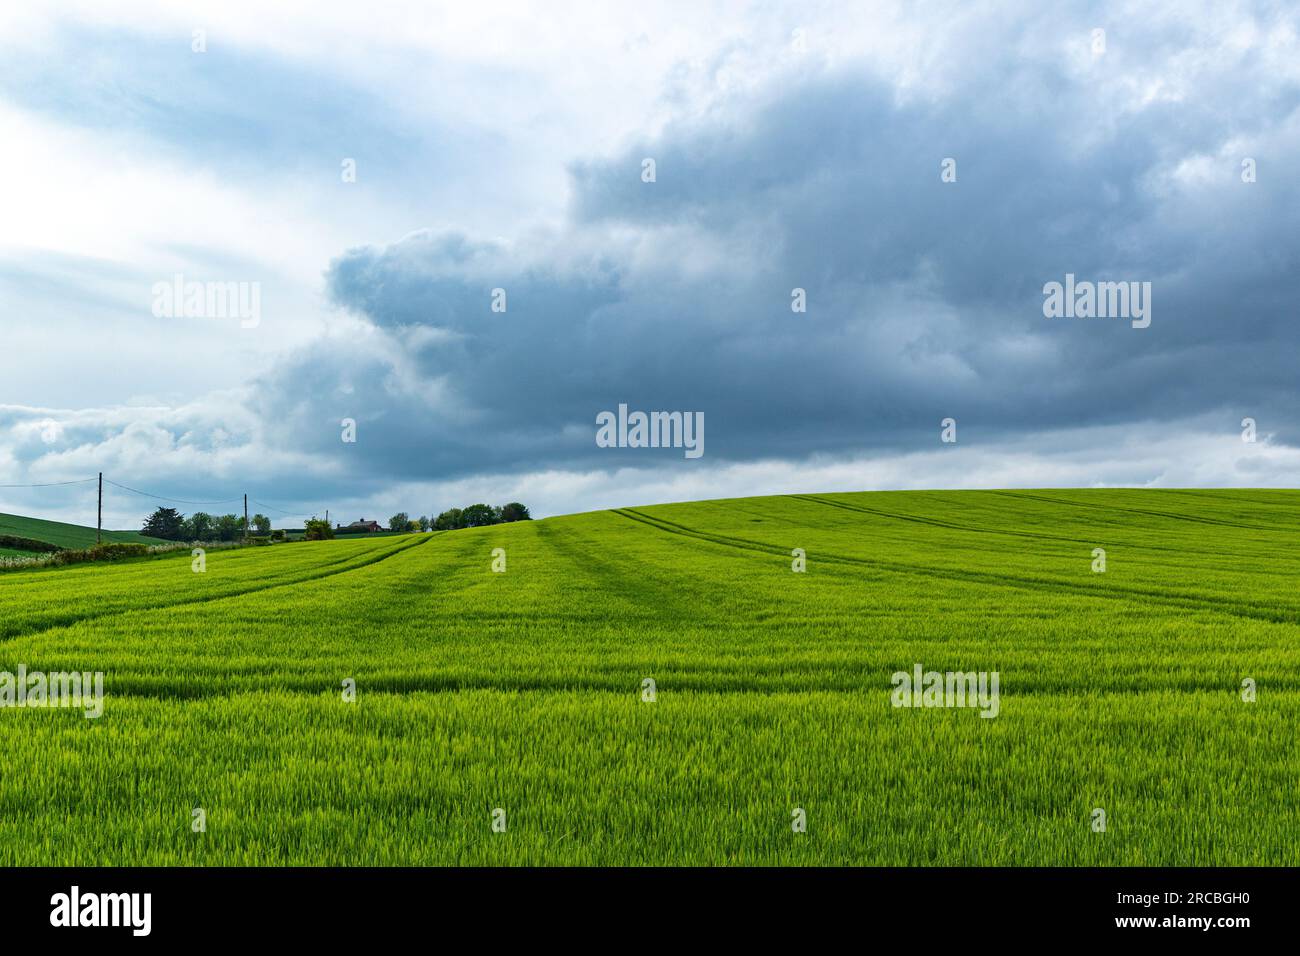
[503,146]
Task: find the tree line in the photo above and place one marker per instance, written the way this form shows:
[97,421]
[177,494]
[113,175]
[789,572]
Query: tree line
[170,525]
[474,516]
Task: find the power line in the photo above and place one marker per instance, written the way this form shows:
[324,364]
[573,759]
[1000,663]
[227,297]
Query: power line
[287,514]
[149,494]
[182,501]
[52,484]
[186,501]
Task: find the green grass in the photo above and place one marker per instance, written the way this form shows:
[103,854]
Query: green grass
[65,535]
[18,553]
[522,690]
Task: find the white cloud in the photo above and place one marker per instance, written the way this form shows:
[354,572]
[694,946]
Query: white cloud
[1163,456]
[153,449]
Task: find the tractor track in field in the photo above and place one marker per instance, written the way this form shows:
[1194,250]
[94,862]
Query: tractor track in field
[975,529]
[617,574]
[1141,511]
[936,522]
[1111,593]
[739,681]
[332,571]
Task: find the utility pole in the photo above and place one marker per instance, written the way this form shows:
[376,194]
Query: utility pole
[246,517]
[327,516]
[99,519]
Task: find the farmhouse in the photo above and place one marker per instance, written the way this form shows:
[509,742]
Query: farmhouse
[361,526]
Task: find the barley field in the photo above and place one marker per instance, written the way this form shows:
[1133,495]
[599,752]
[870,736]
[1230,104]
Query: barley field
[525,690]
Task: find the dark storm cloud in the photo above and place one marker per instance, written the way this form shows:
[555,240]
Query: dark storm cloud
[924,298]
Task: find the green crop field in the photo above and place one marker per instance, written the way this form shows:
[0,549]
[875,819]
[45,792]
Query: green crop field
[525,690]
[65,535]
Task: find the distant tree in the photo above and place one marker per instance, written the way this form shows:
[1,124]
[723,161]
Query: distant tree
[450,520]
[515,512]
[478,516]
[262,524]
[413,526]
[229,527]
[424,523]
[399,522]
[318,529]
[198,527]
[165,523]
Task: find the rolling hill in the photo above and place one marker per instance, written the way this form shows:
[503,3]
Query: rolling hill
[660,685]
[65,535]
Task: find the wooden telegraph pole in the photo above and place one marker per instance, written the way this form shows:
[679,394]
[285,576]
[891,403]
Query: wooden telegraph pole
[245,517]
[99,520]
